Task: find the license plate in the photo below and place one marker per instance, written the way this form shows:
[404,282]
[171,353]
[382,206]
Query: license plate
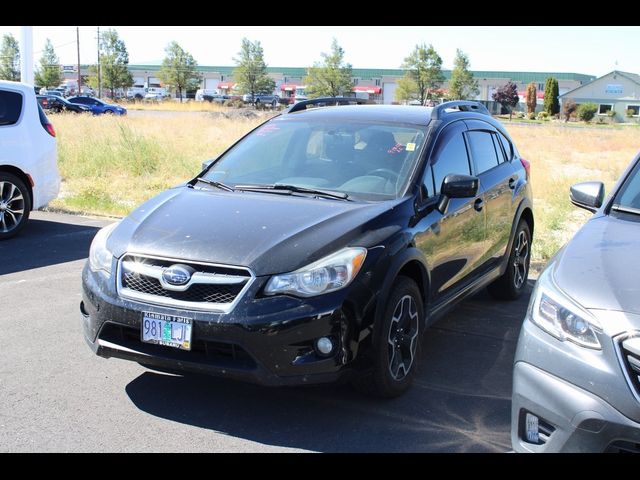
[167,330]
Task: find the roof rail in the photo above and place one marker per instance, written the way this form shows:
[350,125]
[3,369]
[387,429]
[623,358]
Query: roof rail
[461,106]
[327,102]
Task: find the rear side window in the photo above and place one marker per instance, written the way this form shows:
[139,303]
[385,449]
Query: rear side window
[10,107]
[483,152]
[507,146]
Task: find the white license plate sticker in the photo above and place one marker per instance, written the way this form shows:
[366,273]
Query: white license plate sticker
[167,330]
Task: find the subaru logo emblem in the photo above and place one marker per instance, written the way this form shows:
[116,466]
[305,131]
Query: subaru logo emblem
[176,275]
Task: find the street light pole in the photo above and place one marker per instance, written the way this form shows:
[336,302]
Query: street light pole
[79,76]
[99,68]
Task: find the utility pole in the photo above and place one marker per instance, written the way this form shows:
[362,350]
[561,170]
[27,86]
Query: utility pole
[79,76]
[99,68]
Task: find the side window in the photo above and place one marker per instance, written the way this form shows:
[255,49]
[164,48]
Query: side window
[482,150]
[10,107]
[450,157]
[508,150]
[498,147]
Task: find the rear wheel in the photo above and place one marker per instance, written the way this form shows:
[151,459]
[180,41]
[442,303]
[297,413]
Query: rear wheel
[108,112]
[15,205]
[397,343]
[514,280]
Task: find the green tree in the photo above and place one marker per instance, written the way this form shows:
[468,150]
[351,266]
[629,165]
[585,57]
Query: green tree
[586,111]
[114,61]
[331,77]
[551,93]
[507,95]
[49,74]
[179,69]
[462,85]
[9,58]
[251,71]
[532,99]
[423,69]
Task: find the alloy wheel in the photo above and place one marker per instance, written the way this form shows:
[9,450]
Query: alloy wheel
[12,206]
[403,337]
[520,260]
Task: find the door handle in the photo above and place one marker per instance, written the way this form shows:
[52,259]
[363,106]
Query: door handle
[512,183]
[478,204]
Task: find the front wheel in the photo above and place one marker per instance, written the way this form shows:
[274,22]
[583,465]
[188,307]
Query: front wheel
[15,205]
[514,280]
[396,345]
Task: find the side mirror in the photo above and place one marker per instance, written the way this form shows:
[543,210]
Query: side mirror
[459,186]
[207,163]
[456,186]
[587,195]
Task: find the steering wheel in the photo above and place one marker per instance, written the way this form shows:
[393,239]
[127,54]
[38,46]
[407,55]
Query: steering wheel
[385,173]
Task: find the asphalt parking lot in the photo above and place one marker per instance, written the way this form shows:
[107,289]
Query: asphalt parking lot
[55,395]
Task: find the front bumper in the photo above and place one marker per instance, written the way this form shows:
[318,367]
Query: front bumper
[269,341]
[573,420]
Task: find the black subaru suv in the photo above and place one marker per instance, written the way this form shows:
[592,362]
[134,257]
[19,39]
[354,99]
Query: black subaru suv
[318,247]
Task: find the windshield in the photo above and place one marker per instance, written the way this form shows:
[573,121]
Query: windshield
[628,196]
[370,161]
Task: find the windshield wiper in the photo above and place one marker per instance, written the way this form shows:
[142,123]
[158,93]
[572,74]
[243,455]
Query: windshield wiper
[220,185]
[621,208]
[288,189]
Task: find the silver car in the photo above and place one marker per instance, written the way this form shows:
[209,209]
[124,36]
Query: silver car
[576,380]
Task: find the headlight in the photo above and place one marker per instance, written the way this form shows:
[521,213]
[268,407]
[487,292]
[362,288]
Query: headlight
[99,256]
[554,312]
[328,274]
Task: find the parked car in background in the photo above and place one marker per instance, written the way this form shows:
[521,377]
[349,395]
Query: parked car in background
[216,98]
[318,247]
[29,177]
[201,92]
[99,107]
[56,104]
[57,93]
[136,92]
[576,378]
[261,99]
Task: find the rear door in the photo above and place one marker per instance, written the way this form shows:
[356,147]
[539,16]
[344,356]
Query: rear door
[497,179]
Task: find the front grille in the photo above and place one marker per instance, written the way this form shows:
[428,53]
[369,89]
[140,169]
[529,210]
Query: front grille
[629,349]
[210,287]
[195,293]
[218,354]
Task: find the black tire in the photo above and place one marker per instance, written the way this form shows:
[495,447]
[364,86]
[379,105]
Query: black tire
[514,280]
[108,112]
[395,351]
[15,205]
[274,104]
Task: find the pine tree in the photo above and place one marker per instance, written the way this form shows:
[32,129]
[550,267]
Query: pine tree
[551,93]
[532,99]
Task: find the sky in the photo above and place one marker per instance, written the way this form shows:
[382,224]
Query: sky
[591,50]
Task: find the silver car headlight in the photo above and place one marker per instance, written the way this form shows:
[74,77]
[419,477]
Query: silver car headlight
[556,313]
[99,256]
[328,274]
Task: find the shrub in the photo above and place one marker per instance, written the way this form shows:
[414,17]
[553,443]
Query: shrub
[630,112]
[611,113]
[543,115]
[520,115]
[587,111]
[569,108]
[531,116]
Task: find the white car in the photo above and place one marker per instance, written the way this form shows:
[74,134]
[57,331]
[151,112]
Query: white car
[29,177]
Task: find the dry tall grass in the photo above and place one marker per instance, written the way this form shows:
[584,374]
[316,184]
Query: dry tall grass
[111,164]
[560,157]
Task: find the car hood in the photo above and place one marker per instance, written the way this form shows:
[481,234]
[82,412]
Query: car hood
[269,233]
[599,267]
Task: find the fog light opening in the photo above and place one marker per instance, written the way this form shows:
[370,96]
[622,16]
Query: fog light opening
[324,346]
[532,432]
